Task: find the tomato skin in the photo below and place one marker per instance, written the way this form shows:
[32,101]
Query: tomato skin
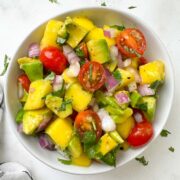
[140,134]
[143,60]
[84,48]
[53,59]
[82,123]
[98,76]
[25,82]
[133,39]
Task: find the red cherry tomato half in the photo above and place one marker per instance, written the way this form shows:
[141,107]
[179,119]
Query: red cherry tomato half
[140,134]
[88,121]
[92,76]
[25,82]
[53,59]
[143,60]
[131,42]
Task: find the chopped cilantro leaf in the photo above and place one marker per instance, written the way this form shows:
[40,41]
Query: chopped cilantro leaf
[132,7]
[142,106]
[82,62]
[53,1]
[165,132]
[64,103]
[155,85]
[6,64]
[171,149]
[103,4]
[120,28]
[117,75]
[142,160]
[89,137]
[79,52]
[66,162]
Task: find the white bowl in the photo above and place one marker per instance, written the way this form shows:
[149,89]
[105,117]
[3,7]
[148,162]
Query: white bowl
[101,16]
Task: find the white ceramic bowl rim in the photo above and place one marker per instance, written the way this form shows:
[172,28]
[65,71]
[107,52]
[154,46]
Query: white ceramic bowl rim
[11,118]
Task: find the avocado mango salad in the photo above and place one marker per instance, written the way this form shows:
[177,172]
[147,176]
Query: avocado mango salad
[88,91]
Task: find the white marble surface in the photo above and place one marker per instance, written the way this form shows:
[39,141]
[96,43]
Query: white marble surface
[18,17]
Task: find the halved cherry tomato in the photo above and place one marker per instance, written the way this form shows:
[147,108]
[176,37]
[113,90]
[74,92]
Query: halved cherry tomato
[143,60]
[92,76]
[84,49]
[131,42]
[53,59]
[140,134]
[88,121]
[25,82]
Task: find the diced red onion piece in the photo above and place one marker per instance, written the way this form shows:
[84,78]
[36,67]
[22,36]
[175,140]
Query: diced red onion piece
[73,69]
[122,98]
[44,124]
[120,61]
[20,91]
[20,128]
[110,33]
[127,62]
[33,50]
[107,122]
[114,53]
[57,83]
[111,82]
[138,117]
[46,143]
[70,54]
[145,90]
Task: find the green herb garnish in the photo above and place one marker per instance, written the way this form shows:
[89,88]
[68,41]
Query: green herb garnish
[79,52]
[155,85]
[6,64]
[90,72]
[171,149]
[64,103]
[53,1]
[82,62]
[142,106]
[117,75]
[51,76]
[66,162]
[142,160]
[103,4]
[132,7]
[120,28]
[89,137]
[165,133]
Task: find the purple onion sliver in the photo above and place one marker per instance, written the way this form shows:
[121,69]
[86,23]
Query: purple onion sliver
[20,128]
[122,98]
[44,124]
[138,117]
[145,90]
[34,50]
[120,61]
[46,143]
[107,33]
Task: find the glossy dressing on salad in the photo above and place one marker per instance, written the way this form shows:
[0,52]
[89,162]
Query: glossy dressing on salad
[88,91]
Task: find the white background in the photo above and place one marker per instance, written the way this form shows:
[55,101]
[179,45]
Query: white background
[19,17]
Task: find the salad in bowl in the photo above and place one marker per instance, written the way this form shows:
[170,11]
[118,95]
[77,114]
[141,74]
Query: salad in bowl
[88,92]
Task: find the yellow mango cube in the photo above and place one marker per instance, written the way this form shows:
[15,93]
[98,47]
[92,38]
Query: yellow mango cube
[60,131]
[38,89]
[125,128]
[50,34]
[67,79]
[106,144]
[80,98]
[84,22]
[97,33]
[152,71]
[82,160]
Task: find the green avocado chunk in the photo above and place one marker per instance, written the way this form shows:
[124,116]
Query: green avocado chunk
[98,50]
[151,107]
[34,70]
[56,104]
[73,32]
[75,147]
[135,97]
